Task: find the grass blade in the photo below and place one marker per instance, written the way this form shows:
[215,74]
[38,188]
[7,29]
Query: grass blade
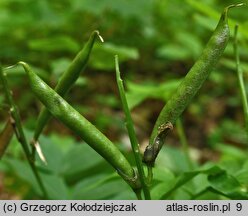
[131,132]
[240,77]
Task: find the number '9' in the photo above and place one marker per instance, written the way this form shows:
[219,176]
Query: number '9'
[239,206]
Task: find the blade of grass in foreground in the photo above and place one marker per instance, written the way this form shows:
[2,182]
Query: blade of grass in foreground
[240,77]
[131,132]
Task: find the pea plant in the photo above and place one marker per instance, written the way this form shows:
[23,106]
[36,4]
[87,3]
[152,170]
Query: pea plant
[141,176]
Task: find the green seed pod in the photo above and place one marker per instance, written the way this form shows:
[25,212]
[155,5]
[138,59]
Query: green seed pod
[191,83]
[64,112]
[68,79]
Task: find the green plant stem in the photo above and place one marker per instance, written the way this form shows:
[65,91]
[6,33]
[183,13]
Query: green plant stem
[138,195]
[149,175]
[19,130]
[184,142]
[131,132]
[240,77]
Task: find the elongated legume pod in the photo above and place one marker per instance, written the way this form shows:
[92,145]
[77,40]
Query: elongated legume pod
[64,112]
[67,80]
[189,86]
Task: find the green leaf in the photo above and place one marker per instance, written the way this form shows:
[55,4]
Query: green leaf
[90,181]
[227,185]
[102,55]
[80,161]
[230,152]
[173,158]
[231,130]
[17,71]
[105,188]
[242,177]
[52,153]
[158,190]
[98,7]
[163,174]
[59,43]
[204,21]
[64,143]
[231,64]
[124,195]
[223,182]
[190,42]
[166,180]
[135,99]
[55,186]
[204,8]
[22,170]
[59,66]
[173,52]
[210,12]
[187,176]
[137,93]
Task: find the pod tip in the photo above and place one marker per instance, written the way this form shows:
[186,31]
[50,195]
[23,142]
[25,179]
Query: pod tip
[39,151]
[10,67]
[24,65]
[240,4]
[96,31]
[235,5]
[231,6]
[117,63]
[21,63]
[100,37]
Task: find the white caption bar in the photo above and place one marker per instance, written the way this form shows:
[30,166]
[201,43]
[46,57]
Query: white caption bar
[123,207]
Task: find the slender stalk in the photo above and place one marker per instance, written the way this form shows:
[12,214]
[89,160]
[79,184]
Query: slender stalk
[131,132]
[149,174]
[184,142]
[138,194]
[240,77]
[19,130]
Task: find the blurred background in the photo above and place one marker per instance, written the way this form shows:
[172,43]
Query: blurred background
[157,42]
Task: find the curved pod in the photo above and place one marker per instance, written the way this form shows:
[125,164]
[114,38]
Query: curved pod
[64,112]
[67,80]
[190,85]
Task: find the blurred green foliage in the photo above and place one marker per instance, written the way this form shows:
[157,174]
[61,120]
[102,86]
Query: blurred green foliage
[157,42]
